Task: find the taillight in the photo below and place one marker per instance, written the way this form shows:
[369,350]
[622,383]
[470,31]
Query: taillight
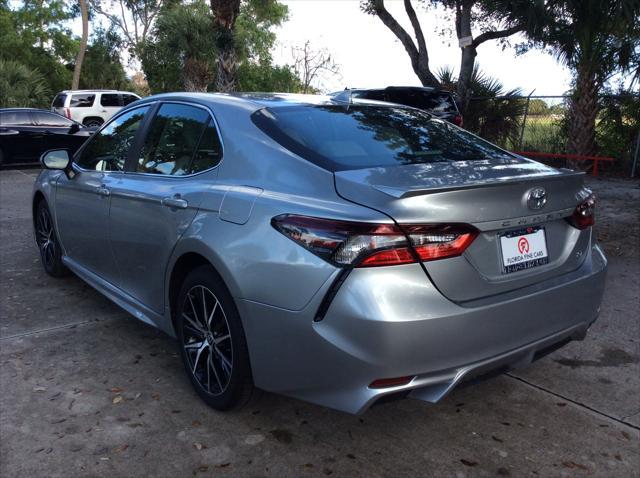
[345,243]
[584,214]
[457,120]
[67,113]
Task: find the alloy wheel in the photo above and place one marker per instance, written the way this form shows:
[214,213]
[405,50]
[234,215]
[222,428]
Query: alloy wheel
[46,237]
[206,339]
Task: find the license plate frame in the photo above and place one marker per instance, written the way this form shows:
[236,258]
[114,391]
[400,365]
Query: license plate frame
[533,252]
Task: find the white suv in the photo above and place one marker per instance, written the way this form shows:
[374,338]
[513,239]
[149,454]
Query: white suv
[91,107]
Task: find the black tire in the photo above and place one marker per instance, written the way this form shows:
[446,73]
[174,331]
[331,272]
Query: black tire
[93,122]
[206,354]
[48,242]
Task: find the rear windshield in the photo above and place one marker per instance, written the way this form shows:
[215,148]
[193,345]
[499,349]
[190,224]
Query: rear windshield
[432,101]
[58,101]
[338,138]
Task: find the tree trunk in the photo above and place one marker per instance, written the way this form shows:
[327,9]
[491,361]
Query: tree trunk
[583,110]
[225,13]
[468,56]
[83,45]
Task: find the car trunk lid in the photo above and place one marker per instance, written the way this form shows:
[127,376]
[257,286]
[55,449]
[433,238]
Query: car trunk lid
[493,197]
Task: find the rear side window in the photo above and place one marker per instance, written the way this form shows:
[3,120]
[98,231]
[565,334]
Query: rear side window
[107,150]
[51,119]
[209,152]
[110,99]
[173,138]
[18,118]
[58,101]
[82,100]
[128,99]
[365,136]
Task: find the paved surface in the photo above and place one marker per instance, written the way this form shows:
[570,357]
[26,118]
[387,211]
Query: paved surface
[85,390]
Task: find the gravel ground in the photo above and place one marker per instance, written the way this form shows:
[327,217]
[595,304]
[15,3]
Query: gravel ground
[86,390]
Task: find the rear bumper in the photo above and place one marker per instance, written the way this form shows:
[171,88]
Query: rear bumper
[392,322]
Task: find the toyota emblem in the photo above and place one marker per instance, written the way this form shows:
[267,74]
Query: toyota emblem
[536,198]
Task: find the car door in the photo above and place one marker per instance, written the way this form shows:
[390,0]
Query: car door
[57,131]
[153,205]
[20,139]
[83,201]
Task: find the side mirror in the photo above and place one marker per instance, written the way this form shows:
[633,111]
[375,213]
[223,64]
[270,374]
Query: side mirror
[56,159]
[75,127]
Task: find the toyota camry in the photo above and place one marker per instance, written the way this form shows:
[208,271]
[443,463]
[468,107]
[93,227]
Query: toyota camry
[333,249]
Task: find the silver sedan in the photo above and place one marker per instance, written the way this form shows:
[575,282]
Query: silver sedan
[330,249]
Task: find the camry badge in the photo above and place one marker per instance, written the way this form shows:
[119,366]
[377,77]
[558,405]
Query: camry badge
[536,198]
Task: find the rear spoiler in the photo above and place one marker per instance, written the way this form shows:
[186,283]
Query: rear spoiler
[400,193]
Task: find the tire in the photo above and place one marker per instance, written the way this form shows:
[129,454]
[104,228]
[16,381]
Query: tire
[48,242]
[93,122]
[214,350]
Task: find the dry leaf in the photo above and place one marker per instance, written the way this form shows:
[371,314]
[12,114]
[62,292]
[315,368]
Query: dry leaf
[117,399]
[121,448]
[117,390]
[197,446]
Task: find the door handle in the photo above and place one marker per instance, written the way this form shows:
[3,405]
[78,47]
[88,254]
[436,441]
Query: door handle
[175,203]
[103,191]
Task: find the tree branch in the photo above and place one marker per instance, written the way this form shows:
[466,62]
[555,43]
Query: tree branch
[411,13]
[493,35]
[396,28]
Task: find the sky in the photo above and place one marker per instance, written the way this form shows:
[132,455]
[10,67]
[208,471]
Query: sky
[370,55]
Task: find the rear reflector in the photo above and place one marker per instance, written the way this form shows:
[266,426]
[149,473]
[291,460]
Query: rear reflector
[457,120]
[584,215]
[390,382]
[345,243]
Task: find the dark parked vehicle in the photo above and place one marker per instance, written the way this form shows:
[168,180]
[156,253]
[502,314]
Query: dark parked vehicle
[26,133]
[439,103]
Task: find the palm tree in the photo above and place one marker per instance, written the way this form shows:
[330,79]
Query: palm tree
[225,14]
[493,113]
[83,45]
[21,87]
[595,39]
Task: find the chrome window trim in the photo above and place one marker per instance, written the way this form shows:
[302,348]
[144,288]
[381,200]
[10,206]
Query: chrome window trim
[215,122]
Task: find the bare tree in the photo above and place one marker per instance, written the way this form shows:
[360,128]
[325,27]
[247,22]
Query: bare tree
[83,45]
[311,65]
[133,19]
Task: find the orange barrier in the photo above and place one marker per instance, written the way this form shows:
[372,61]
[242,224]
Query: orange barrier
[575,157]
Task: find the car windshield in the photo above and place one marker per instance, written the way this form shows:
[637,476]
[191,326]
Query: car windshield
[337,137]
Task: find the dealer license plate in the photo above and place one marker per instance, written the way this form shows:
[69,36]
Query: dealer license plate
[523,249]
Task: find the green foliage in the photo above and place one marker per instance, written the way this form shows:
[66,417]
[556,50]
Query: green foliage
[182,36]
[538,107]
[102,67]
[618,127]
[21,86]
[268,77]
[181,52]
[493,113]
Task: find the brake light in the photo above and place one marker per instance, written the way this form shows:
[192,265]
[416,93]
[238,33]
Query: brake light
[345,243]
[67,113]
[457,120]
[584,214]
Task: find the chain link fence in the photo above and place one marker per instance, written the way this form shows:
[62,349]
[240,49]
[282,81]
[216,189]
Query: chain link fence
[539,124]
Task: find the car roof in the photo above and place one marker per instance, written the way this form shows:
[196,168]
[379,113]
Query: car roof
[254,101]
[71,92]
[24,110]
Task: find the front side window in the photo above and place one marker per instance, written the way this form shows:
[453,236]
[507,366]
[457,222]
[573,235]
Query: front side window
[172,140]
[338,138]
[109,99]
[16,118]
[51,119]
[108,148]
[83,100]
